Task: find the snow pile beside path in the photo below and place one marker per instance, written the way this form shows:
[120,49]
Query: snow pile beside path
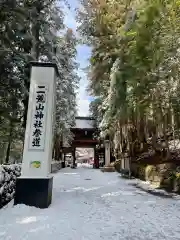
[8,175]
[84,165]
[148,187]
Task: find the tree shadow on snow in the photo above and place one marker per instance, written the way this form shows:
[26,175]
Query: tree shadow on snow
[161,194]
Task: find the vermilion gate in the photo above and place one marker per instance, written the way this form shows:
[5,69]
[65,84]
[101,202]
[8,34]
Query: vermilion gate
[84,137]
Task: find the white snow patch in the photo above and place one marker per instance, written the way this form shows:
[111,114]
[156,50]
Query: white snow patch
[70,173]
[82,189]
[27,220]
[84,165]
[90,189]
[112,194]
[77,188]
[112,182]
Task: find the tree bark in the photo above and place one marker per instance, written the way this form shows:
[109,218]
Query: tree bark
[9,143]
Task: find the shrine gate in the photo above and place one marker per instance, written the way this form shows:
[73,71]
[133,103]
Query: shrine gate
[84,133]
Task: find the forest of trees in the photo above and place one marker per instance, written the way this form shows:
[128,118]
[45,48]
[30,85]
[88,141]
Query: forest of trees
[134,72]
[33,30]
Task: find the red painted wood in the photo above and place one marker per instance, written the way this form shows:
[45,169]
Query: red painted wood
[85,141]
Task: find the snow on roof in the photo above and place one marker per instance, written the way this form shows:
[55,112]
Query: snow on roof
[85,122]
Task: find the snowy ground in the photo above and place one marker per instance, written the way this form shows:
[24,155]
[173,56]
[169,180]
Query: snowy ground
[91,205]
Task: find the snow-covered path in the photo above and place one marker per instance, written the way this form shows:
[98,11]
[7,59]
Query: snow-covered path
[91,205]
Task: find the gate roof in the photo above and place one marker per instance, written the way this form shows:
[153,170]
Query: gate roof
[84,123]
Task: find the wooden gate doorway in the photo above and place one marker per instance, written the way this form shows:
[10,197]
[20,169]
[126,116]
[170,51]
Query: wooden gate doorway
[85,155]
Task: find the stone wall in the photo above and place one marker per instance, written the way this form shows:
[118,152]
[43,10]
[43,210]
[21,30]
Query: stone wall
[166,175]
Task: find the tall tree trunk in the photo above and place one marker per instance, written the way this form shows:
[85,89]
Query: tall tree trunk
[35,51]
[9,143]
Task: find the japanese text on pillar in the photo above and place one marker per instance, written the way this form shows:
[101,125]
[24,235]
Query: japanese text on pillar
[38,124]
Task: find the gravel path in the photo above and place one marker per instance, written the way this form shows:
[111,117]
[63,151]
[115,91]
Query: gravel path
[91,205]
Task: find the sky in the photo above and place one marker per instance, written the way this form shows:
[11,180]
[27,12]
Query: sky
[83,53]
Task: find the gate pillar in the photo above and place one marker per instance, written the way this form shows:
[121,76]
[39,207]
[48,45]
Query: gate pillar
[96,159]
[73,157]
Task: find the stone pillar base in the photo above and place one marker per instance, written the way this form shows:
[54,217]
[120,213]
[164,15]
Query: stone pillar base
[108,169]
[35,192]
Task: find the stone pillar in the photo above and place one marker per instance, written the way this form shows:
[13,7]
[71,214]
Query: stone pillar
[107,153]
[34,187]
[63,160]
[122,163]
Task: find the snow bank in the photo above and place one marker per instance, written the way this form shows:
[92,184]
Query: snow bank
[8,175]
[148,187]
[84,165]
